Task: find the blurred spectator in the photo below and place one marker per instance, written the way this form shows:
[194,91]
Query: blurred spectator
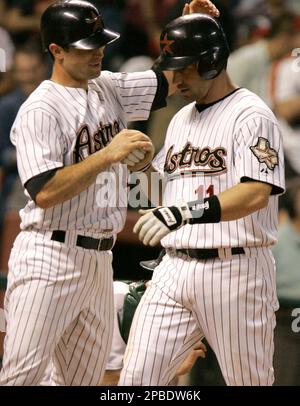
[287,257]
[6,59]
[29,70]
[250,65]
[269,8]
[287,251]
[144,20]
[254,17]
[295,6]
[22,18]
[7,46]
[6,54]
[287,109]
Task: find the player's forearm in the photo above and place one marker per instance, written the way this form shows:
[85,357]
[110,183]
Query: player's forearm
[243,199]
[72,180]
[236,202]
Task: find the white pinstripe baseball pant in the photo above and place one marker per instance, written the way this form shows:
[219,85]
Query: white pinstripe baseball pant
[232,301]
[59,306]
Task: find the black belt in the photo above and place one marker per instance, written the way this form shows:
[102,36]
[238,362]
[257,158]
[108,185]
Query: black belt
[208,253]
[89,243]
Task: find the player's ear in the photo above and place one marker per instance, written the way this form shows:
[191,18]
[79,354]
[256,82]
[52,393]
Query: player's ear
[56,51]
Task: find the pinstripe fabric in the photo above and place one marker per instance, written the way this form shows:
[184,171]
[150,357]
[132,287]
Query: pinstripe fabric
[60,304]
[58,126]
[231,301]
[234,124]
[155,348]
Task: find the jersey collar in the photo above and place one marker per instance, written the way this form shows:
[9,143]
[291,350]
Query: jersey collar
[202,107]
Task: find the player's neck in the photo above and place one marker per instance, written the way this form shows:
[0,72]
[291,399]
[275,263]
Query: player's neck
[61,77]
[221,87]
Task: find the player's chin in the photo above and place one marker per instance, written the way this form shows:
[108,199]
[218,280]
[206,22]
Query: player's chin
[94,71]
[186,94]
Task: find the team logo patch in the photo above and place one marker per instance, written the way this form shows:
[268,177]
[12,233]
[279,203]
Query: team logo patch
[166,43]
[264,153]
[96,20]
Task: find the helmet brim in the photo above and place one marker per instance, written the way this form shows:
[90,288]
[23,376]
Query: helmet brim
[175,62]
[96,40]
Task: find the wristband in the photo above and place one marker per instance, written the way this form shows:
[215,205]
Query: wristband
[206,211]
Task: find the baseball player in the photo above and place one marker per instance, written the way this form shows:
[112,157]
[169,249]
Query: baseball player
[70,139]
[223,163]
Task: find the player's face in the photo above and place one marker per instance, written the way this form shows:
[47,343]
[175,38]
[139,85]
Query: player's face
[190,85]
[82,65]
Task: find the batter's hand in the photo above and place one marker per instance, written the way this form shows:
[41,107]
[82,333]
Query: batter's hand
[156,223]
[201,6]
[125,142]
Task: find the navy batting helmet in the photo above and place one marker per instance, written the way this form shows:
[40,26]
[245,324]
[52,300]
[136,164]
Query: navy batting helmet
[75,23]
[194,38]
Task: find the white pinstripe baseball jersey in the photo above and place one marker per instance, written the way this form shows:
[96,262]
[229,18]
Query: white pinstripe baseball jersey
[59,126]
[210,151]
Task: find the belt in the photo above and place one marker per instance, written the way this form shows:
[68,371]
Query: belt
[209,253]
[104,244]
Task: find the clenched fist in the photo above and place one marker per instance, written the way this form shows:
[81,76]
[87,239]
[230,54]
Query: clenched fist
[125,142]
[139,159]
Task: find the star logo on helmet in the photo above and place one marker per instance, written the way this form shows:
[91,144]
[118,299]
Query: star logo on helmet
[166,44]
[96,20]
[264,153]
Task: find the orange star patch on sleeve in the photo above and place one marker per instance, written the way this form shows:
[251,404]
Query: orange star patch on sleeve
[264,153]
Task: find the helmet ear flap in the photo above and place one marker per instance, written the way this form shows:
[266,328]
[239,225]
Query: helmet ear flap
[210,66]
[206,70]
